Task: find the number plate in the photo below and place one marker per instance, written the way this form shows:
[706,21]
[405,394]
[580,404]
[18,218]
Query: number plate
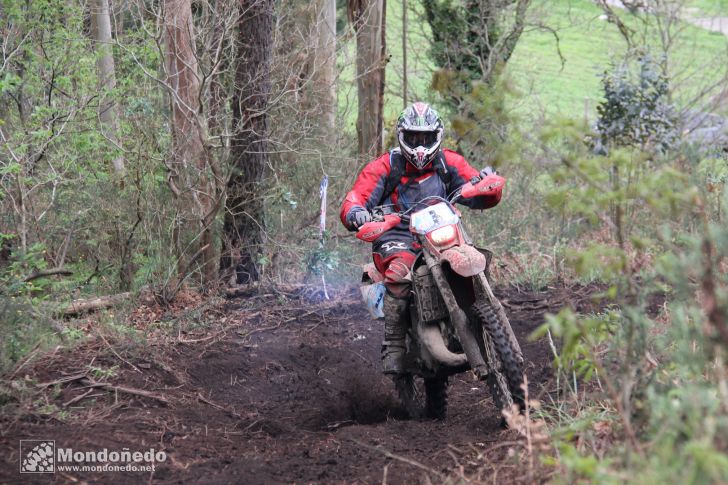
[434,217]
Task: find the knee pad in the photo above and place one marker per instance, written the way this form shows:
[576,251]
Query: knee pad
[397,272]
[395,278]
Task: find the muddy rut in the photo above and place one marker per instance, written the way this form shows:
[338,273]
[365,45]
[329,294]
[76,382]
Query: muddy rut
[284,392]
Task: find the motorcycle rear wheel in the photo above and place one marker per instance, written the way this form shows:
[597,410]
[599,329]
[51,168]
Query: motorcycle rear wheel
[422,397]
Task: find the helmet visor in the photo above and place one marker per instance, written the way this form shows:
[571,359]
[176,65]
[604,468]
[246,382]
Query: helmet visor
[414,139]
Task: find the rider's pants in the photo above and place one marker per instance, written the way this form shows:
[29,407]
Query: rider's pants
[395,267]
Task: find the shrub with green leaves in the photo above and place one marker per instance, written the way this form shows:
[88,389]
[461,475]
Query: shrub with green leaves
[655,359]
[636,110]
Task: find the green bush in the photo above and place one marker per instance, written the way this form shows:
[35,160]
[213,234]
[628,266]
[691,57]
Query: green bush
[636,110]
[657,354]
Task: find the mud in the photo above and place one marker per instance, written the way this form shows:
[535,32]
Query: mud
[288,393]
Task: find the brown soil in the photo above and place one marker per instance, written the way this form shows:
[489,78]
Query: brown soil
[283,392]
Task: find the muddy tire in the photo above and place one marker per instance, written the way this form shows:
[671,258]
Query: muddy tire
[422,398]
[510,377]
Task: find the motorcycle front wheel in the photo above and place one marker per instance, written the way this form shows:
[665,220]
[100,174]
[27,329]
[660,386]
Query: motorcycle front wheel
[505,383]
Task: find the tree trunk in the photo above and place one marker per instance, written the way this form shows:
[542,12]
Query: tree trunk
[382,70]
[244,226]
[191,167]
[108,112]
[219,87]
[367,17]
[404,54]
[325,65]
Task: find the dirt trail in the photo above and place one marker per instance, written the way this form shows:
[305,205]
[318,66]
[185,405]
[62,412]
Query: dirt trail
[292,394]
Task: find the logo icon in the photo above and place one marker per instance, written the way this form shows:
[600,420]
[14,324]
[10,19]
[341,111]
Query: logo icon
[37,456]
[393,245]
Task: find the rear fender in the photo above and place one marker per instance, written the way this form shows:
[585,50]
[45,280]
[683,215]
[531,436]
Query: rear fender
[465,260]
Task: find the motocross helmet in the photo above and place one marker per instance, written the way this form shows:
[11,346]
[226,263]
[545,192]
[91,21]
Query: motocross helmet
[419,132]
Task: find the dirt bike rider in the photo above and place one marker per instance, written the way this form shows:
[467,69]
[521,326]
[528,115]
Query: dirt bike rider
[419,168]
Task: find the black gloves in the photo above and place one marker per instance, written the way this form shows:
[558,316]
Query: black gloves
[359,217]
[483,173]
[487,171]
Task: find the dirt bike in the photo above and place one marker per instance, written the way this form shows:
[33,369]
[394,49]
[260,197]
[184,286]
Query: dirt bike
[457,323]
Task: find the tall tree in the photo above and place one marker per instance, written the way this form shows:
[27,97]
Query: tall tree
[192,170]
[325,65]
[404,54]
[368,20]
[244,226]
[108,111]
[472,40]
[472,37]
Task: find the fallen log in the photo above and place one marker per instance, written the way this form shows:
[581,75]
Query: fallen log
[242,290]
[63,380]
[83,305]
[124,390]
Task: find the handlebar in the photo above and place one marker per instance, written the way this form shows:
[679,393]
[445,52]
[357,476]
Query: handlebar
[477,186]
[380,211]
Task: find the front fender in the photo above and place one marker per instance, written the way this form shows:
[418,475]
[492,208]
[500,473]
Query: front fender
[465,260]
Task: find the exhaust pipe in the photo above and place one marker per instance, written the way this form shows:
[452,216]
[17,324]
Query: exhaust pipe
[432,340]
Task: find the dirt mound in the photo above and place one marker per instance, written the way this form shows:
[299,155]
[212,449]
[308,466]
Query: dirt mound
[284,393]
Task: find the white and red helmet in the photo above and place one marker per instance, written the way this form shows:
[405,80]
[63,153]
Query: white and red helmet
[419,132]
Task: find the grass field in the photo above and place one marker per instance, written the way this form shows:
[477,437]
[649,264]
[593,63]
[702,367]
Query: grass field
[548,83]
[708,8]
[570,85]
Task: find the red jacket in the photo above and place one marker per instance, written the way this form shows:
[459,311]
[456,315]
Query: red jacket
[414,186]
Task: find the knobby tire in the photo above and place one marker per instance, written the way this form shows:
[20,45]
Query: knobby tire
[422,397]
[511,369]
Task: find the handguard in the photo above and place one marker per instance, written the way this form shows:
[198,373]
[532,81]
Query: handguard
[371,231]
[490,185]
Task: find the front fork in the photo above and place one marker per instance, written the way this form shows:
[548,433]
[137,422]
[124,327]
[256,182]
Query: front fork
[485,288]
[459,320]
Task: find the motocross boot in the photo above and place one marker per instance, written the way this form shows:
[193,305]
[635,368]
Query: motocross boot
[395,331]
